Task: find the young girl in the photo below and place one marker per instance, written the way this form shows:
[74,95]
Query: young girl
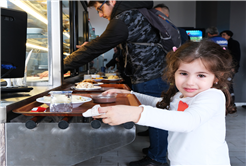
[194,116]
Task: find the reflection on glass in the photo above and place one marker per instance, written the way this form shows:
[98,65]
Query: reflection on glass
[66,28]
[37,39]
[82,30]
[81,11]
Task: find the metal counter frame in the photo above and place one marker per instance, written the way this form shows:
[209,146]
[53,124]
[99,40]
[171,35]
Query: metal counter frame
[47,144]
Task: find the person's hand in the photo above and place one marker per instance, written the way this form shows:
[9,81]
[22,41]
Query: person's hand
[113,91]
[116,115]
[78,46]
[112,68]
[44,74]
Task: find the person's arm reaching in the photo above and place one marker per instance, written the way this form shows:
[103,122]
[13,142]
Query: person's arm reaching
[78,46]
[115,33]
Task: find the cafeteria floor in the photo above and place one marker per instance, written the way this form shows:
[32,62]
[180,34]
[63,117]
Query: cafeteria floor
[235,137]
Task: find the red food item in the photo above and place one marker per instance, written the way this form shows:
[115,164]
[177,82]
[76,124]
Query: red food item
[38,109]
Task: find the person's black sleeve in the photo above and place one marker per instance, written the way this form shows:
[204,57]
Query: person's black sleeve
[115,33]
[236,54]
[237,51]
[112,62]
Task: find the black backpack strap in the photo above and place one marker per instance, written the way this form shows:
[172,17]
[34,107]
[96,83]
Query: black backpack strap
[151,16]
[163,16]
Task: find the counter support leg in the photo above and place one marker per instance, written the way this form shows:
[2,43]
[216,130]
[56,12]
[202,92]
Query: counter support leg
[2,145]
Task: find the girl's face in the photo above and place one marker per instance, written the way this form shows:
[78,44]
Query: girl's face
[193,78]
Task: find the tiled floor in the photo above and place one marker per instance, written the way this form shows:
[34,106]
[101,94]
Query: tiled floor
[236,137]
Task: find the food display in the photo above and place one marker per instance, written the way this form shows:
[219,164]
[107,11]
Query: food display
[112,77]
[90,81]
[64,99]
[84,85]
[99,78]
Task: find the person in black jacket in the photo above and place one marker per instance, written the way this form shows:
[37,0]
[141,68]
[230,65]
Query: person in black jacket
[144,64]
[234,48]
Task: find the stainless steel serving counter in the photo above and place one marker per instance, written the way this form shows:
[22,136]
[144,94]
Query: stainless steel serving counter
[47,144]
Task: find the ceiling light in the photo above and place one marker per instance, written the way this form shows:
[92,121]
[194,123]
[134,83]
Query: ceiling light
[36,47]
[29,10]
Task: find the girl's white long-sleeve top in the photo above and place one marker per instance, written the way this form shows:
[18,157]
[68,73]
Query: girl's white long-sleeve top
[197,134]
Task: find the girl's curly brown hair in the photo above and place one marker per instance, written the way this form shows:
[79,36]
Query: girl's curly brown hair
[215,59]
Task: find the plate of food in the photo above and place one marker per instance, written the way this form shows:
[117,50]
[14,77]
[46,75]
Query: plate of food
[94,88]
[98,79]
[86,86]
[98,83]
[77,100]
[113,78]
[90,81]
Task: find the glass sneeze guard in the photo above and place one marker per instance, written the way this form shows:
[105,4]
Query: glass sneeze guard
[42,44]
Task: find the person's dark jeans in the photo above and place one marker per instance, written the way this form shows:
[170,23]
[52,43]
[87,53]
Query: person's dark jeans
[158,144]
[153,87]
[158,137]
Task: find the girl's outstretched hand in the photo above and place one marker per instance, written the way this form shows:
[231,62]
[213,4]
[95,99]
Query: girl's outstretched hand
[115,115]
[112,91]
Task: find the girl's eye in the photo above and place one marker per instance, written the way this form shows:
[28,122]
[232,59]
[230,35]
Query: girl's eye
[201,75]
[183,74]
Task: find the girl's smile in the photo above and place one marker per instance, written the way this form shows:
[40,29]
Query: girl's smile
[189,89]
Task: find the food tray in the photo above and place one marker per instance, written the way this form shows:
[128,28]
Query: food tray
[121,99]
